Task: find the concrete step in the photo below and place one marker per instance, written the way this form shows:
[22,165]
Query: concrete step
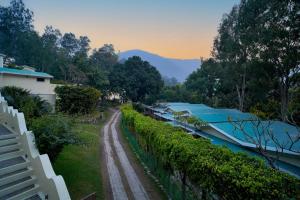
[16,175]
[13,188]
[38,196]
[8,136]
[4,130]
[11,154]
[9,141]
[9,147]
[29,194]
[13,164]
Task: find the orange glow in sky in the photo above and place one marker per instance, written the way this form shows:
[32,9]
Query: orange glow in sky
[170,28]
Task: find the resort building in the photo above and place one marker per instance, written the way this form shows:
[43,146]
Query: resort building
[37,83]
[238,131]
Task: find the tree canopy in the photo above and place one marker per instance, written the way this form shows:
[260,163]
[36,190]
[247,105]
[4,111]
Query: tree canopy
[255,61]
[137,80]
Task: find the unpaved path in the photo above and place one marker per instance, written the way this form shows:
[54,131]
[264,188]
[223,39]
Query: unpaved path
[124,178]
[132,178]
[113,172]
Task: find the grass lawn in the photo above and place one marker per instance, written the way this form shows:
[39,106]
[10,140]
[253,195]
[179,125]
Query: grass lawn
[80,164]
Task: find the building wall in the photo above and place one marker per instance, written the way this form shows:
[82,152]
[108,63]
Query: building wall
[43,89]
[28,83]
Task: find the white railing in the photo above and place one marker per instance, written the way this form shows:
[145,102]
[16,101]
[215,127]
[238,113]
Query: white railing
[51,185]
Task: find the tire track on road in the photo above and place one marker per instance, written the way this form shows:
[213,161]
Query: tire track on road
[134,182]
[113,172]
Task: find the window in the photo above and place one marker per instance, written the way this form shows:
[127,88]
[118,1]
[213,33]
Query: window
[40,80]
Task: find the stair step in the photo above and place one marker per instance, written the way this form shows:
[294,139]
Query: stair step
[13,164]
[8,136]
[14,187]
[9,141]
[9,147]
[35,197]
[11,154]
[4,130]
[30,193]
[14,176]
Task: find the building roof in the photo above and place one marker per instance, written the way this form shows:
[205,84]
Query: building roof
[23,72]
[232,123]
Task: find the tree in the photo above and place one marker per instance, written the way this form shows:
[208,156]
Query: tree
[261,134]
[136,79]
[205,82]
[77,99]
[261,32]
[105,57]
[17,37]
[170,81]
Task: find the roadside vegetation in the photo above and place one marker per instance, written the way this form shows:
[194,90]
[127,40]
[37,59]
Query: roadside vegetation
[253,67]
[69,137]
[254,64]
[212,170]
[79,163]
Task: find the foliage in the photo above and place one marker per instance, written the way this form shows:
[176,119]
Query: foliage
[77,99]
[268,110]
[31,106]
[52,132]
[136,80]
[254,64]
[170,81]
[214,169]
[79,164]
[261,32]
[177,93]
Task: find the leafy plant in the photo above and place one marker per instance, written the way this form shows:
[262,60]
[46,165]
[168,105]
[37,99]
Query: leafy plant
[21,99]
[216,170]
[52,132]
[77,99]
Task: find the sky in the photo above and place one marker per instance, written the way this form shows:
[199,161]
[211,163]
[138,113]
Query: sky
[171,28]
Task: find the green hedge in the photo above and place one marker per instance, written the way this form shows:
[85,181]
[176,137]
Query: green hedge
[216,170]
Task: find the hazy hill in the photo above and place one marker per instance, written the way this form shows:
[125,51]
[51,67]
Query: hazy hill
[178,68]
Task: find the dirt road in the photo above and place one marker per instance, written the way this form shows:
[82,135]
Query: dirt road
[124,178]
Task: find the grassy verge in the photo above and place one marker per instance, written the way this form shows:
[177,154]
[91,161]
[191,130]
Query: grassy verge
[80,164]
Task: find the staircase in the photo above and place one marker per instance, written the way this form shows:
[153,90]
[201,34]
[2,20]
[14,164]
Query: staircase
[17,180]
[24,173]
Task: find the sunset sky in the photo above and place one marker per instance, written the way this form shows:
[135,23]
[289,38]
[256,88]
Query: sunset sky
[170,28]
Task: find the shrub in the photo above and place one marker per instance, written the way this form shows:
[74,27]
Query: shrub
[51,133]
[31,106]
[77,99]
[216,170]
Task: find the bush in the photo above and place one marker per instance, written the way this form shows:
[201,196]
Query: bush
[51,133]
[77,99]
[31,106]
[216,170]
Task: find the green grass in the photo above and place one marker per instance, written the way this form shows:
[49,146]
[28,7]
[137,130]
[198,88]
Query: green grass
[80,164]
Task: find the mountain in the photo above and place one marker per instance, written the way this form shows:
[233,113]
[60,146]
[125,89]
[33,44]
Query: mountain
[178,68]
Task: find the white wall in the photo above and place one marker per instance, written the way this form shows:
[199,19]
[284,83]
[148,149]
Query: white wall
[43,89]
[28,83]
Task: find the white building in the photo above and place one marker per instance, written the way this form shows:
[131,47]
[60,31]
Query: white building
[38,83]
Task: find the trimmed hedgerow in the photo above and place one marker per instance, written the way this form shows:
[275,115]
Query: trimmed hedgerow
[216,170]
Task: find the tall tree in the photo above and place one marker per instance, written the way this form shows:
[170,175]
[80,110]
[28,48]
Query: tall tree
[105,57]
[137,80]
[17,37]
[261,31]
